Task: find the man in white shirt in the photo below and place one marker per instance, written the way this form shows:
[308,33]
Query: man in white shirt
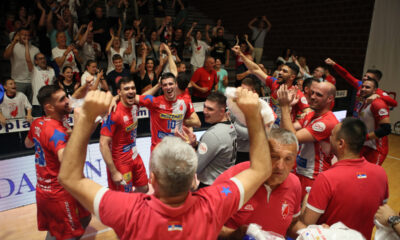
[15,52]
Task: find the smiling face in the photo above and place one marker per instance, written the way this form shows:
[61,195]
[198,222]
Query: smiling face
[92,68]
[213,113]
[68,74]
[10,87]
[60,103]
[149,65]
[367,89]
[40,61]
[168,86]
[285,74]
[127,92]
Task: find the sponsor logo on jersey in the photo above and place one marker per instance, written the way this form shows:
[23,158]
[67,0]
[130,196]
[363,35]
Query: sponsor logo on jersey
[161,134]
[175,226]
[361,175]
[171,116]
[285,209]
[162,106]
[203,148]
[304,100]
[249,207]
[127,176]
[126,119]
[318,126]
[128,147]
[131,127]
[383,112]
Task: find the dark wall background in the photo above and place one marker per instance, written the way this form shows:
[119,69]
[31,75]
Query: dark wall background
[316,29]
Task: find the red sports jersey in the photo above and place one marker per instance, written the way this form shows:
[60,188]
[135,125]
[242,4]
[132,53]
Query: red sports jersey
[357,85]
[371,115]
[315,157]
[351,192]
[273,209]
[142,216]
[165,116]
[297,109]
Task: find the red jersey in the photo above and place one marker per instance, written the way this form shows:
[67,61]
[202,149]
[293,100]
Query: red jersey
[315,157]
[273,209]
[331,79]
[371,115]
[185,96]
[297,109]
[142,216]
[203,78]
[351,191]
[355,83]
[165,116]
[121,126]
[49,136]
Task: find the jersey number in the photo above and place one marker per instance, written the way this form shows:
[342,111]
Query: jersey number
[171,124]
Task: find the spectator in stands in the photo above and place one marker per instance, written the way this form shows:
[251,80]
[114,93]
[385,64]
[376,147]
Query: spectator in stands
[181,67]
[66,55]
[42,75]
[165,30]
[178,40]
[41,32]
[159,13]
[16,52]
[204,80]
[154,46]
[303,64]
[215,28]
[148,72]
[129,42]
[220,47]
[164,63]
[60,26]
[14,104]
[318,73]
[100,27]
[114,47]
[258,36]
[287,56]
[115,75]
[329,77]
[222,75]
[352,190]
[67,82]
[199,48]
[89,50]
[143,8]
[92,72]
[246,47]
[181,12]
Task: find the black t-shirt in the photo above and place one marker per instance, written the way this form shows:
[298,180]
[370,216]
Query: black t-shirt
[220,46]
[111,77]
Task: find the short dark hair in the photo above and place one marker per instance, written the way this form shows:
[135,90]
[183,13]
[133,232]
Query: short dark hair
[354,132]
[295,69]
[45,93]
[116,57]
[124,80]
[252,83]
[167,75]
[217,97]
[308,81]
[183,81]
[90,61]
[5,80]
[376,72]
[65,68]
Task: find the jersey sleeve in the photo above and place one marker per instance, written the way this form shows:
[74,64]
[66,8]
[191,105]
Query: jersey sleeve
[302,103]
[386,98]
[207,150]
[108,126]
[189,107]
[379,110]
[146,101]
[57,138]
[322,128]
[320,195]
[269,82]
[347,76]
[297,205]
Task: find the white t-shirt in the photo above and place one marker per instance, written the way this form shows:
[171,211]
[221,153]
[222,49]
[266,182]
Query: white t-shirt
[69,60]
[128,58]
[88,53]
[110,65]
[40,78]
[19,67]
[166,67]
[198,53]
[87,74]
[15,107]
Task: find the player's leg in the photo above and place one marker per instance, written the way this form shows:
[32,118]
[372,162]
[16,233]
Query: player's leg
[139,178]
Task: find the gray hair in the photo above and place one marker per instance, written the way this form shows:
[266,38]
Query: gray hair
[174,164]
[283,136]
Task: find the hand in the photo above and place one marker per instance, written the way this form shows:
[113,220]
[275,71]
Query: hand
[236,49]
[372,98]
[284,96]
[330,61]
[16,38]
[187,135]
[89,81]
[166,48]
[247,101]
[383,214]
[90,26]
[246,37]
[29,118]
[69,49]
[113,105]
[112,32]
[100,74]
[39,6]
[207,28]
[117,178]
[293,94]
[3,120]
[96,104]
[227,63]
[75,51]
[194,24]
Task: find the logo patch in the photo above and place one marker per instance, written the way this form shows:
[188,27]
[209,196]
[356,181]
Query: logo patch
[361,175]
[304,100]
[249,207]
[203,148]
[126,119]
[175,226]
[318,126]
[285,209]
[383,112]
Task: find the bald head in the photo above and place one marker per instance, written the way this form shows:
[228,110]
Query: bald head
[321,96]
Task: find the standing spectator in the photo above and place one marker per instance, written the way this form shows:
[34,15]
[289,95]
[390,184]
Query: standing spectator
[66,55]
[165,30]
[89,50]
[16,52]
[246,47]
[114,47]
[303,64]
[14,104]
[60,26]
[115,75]
[258,36]
[67,82]
[204,80]
[199,48]
[178,40]
[181,12]
[154,46]
[92,72]
[113,12]
[222,75]
[148,73]
[219,45]
[159,12]
[143,8]
[42,75]
[215,28]
[352,190]
[100,27]
[129,42]
[287,56]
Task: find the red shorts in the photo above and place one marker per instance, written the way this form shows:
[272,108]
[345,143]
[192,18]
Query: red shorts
[372,155]
[60,216]
[305,182]
[134,174]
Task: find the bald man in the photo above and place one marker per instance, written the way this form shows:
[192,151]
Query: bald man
[312,131]
[204,80]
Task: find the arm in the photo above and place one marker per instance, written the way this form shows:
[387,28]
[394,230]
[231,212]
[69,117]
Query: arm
[383,130]
[171,62]
[108,47]
[85,35]
[29,115]
[9,50]
[252,21]
[269,25]
[207,29]
[60,60]
[3,120]
[105,143]
[294,227]
[198,88]
[386,98]
[70,176]
[42,20]
[251,66]
[28,57]
[310,216]
[251,48]
[189,33]
[383,214]
[192,121]
[29,143]
[344,73]
[242,75]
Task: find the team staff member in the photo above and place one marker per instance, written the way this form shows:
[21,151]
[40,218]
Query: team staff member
[312,131]
[375,115]
[286,76]
[125,167]
[204,80]
[352,190]
[276,204]
[57,211]
[173,211]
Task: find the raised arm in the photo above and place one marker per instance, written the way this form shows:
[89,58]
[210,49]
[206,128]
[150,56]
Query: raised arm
[252,21]
[9,50]
[71,172]
[108,47]
[251,47]
[28,58]
[171,62]
[206,30]
[344,73]
[251,66]
[260,159]
[189,33]
[269,25]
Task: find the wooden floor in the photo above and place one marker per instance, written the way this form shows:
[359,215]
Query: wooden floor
[20,223]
